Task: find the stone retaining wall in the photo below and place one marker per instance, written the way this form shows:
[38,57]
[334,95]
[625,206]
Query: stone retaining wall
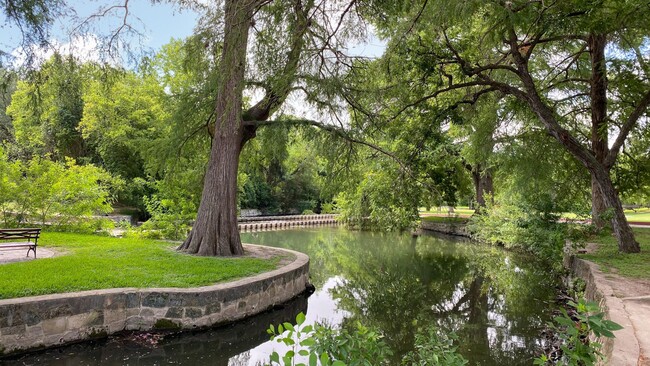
[52,320]
[280,225]
[451,228]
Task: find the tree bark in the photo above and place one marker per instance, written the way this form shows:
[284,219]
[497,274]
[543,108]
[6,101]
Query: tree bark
[599,138]
[215,231]
[483,185]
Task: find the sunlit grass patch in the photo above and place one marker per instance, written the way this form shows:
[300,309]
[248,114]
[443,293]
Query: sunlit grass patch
[630,265]
[99,262]
[445,219]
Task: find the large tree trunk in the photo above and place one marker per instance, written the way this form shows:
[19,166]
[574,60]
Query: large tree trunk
[215,231]
[598,206]
[598,97]
[622,230]
[484,186]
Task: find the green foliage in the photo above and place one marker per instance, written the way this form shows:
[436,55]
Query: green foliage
[90,262]
[324,345]
[575,332]
[434,348]
[60,194]
[283,172]
[46,110]
[377,202]
[520,227]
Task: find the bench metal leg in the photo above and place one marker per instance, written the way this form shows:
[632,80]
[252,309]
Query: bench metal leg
[30,249]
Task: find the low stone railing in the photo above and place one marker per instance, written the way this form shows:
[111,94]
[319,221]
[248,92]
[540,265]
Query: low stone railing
[51,320]
[285,222]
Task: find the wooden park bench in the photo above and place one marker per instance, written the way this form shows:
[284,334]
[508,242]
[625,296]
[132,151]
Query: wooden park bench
[31,235]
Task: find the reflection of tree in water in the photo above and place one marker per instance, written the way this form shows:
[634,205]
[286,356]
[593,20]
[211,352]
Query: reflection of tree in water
[398,283]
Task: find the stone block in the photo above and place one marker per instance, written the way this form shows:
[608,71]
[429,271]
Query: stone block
[213,308]
[174,312]
[193,313]
[115,316]
[145,312]
[13,330]
[155,300]
[30,317]
[52,327]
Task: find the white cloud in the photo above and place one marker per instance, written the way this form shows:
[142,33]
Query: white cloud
[85,48]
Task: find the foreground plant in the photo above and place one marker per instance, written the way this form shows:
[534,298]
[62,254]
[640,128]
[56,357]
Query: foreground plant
[327,346]
[575,331]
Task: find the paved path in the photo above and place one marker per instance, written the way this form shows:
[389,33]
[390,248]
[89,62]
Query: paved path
[18,255]
[628,303]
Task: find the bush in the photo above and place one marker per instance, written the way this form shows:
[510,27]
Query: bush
[56,193]
[325,345]
[575,331]
[516,227]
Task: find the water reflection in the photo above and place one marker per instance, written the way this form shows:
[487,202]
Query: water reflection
[496,301]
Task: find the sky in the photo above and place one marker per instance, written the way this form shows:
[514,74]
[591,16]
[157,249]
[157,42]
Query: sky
[158,23]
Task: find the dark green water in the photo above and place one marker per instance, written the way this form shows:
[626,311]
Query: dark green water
[494,300]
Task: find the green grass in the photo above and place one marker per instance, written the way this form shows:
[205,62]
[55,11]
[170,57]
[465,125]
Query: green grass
[629,265]
[460,210]
[99,262]
[444,219]
[638,215]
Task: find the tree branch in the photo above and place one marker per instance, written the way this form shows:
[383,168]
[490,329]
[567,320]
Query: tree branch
[631,121]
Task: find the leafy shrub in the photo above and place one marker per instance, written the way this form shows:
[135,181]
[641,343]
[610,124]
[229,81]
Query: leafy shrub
[575,332]
[325,345]
[434,348]
[516,227]
[329,208]
[56,193]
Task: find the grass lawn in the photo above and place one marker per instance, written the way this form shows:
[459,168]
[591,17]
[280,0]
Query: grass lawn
[630,265]
[444,219]
[99,262]
[460,210]
[638,215]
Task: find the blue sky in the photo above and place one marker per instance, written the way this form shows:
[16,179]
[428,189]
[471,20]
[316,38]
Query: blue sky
[157,22]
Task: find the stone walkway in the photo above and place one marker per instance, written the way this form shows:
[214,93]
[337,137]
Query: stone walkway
[628,303]
[18,255]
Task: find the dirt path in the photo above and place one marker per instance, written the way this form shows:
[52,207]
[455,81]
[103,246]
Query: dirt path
[18,255]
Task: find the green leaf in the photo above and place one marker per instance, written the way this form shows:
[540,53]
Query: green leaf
[288,326]
[308,342]
[275,357]
[300,318]
[324,359]
[313,360]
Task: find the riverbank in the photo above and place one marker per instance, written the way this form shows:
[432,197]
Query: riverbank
[619,283]
[36,322]
[626,302]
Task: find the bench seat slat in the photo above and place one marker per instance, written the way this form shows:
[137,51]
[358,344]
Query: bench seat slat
[17,245]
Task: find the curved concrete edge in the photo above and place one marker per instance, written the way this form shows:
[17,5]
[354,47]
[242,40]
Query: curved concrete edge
[52,320]
[625,349]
